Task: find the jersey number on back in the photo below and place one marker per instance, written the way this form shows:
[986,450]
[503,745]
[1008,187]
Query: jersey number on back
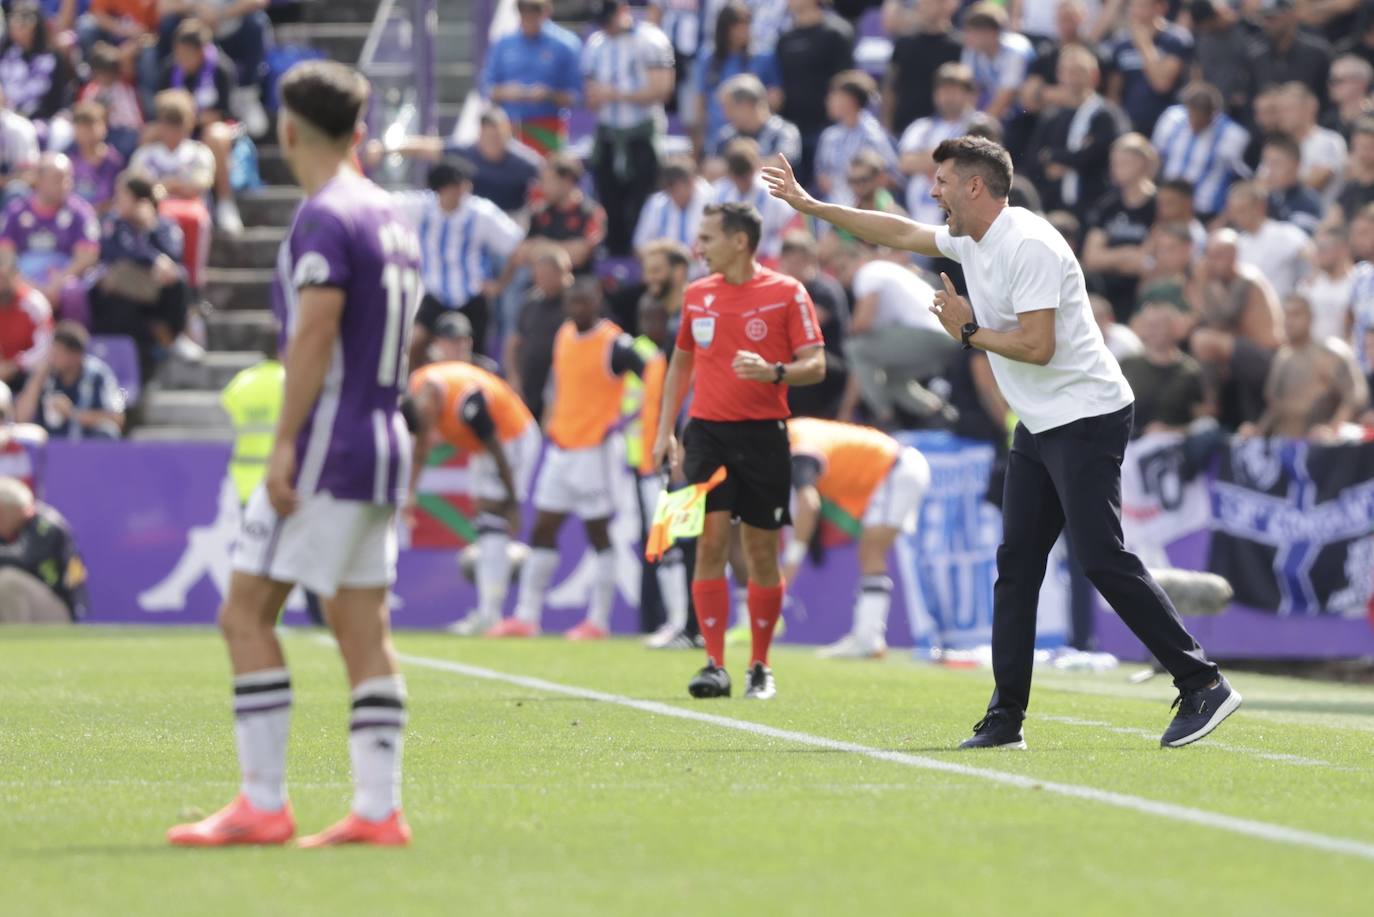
[402,286]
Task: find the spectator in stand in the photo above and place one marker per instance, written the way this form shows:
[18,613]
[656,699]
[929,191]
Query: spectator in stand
[453,343]
[1199,142]
[1284,52]
[1314,387]
[1348,86]
[998,57]
[1361,333]
[743,183]
[528,354]
[241,30]
[95,163]
[681,21]
[1360,42]
[1290,200]
[866,174]
[54,234]
[674,212]
[462,238]
[18,151]
[1329,286]
[21,444]
[744,100]
[1281,251]
[1238,328]
[854,129]
[1042,89]
[142,291]
[73,394]
[1075,140]
[800,260]
[125,31]
[112,89]
[1174,204]
[1120,339]
[1222,47]
[819,46]
[186,170]
[628,69]
[532,74]
[1114,247]
[25,324]
[1264,120]
[1170,392]
[1358,191]
[41,573]
[1149,64]
[954,110]
[201,69]
[37,78]
[924,41]
[730,56]
[1323,151]
[1170,253]
[565,216]
[666,267]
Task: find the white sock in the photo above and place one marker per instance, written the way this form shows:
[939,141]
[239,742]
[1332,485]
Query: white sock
[262,721]
[375,734]
[871,608]
[493,568]
[672,588]
[535,575]
[603,589]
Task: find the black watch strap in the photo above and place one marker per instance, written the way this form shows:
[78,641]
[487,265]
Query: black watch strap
[779,371]
[969,329]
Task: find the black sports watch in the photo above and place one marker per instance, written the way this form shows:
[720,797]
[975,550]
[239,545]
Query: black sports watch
[966,332]
[779,370]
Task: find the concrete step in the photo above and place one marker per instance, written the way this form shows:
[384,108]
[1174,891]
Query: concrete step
[246,329]
[340,41]
[239,287]
[212,373]
[256,247]
[340,10]
[453,42]
[273,205]
[182,434]
[272,167]
[184,409]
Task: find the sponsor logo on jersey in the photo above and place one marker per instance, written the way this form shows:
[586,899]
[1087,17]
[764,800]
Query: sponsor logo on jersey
[703,331]
[312,270]
[756,329]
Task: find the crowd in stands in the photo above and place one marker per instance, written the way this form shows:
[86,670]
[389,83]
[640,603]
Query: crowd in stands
[1211,162]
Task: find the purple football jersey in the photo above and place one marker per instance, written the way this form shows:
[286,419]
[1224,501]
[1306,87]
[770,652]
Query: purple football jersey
[348,235]
[46,239]
[94,182]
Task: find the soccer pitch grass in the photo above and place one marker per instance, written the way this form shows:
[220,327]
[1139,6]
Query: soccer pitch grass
[529,800]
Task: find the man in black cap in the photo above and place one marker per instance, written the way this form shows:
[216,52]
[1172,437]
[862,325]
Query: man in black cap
[453,343]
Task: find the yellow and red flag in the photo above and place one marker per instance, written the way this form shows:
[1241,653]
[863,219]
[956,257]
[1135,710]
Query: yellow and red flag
[679,514]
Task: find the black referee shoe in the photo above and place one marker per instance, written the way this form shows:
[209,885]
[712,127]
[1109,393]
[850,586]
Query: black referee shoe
[997,729]
[711,681]
[1199,712]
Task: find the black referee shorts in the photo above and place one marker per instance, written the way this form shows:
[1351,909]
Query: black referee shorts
[758,462]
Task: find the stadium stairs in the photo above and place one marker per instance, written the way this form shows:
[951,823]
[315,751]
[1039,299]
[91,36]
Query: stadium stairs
[183,404]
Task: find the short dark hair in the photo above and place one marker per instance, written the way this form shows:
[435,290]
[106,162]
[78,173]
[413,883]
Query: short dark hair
[1285,144]
[799,242]
[585,289]
[453,170]
[72,336]
[140,186]
[856,84]
[1179,185]
[738,217]
[674,252]
[328,95]
[675,171]
[193,32]
[986,158]
[566,166]
[1203,96]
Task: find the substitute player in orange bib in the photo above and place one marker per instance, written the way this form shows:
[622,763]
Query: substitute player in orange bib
[879,483]
[477,413]
[747,333]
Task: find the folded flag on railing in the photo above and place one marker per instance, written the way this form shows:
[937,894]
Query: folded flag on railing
[679,514]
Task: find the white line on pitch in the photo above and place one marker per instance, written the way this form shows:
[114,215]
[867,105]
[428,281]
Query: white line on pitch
[1280,757]
[1246,827]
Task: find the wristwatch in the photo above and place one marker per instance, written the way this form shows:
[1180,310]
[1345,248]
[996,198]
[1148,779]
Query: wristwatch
[966,332]
[779,370]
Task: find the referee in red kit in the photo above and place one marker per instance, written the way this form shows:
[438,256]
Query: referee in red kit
[748,333]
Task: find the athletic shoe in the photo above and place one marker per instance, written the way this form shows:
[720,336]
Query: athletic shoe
[711,681]
[354,829]
[237,823]
[1199,712]
[741,635]
[668,637]
[587,630]
[512,627]
[852,646]
[472,624]
[761,683]
[998,729]
[227,218]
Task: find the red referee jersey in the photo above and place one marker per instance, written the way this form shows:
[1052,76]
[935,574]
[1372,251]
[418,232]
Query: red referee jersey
[771,315]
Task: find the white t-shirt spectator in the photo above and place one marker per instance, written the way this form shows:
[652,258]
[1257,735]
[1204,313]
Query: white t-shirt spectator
[1122,341]
[1279,251]
[18,142]
[191,162]
[624,61]
[1023,264]
[1211,160]
[903,299]
[1325,149]
[1330,299]
[661,218]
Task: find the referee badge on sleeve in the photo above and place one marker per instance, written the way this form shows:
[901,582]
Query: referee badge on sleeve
[704,331]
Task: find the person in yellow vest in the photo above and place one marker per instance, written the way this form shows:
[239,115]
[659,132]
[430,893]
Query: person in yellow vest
[874,479]
[478,413]
[591,356]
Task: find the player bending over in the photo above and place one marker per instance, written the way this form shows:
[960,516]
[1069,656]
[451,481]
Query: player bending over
[325,514]
[747,333]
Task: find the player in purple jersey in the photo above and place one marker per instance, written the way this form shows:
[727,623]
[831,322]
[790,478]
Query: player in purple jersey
[325,515]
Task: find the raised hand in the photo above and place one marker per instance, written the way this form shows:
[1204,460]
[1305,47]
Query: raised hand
[950,308]
[783,185]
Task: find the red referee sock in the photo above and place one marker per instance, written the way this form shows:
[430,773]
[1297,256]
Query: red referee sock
[712,600]
[765,607]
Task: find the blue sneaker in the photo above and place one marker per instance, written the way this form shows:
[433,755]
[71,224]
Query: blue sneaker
[1199,712]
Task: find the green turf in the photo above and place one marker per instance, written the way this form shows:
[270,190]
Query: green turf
[529,803]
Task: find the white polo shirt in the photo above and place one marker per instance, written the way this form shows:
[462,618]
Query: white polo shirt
[903,298]
[1023,264]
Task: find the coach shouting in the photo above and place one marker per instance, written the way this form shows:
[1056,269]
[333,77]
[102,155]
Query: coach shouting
[1030,313]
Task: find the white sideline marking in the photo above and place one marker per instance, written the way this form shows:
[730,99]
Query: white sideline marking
[1280,757]
[1246,827]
